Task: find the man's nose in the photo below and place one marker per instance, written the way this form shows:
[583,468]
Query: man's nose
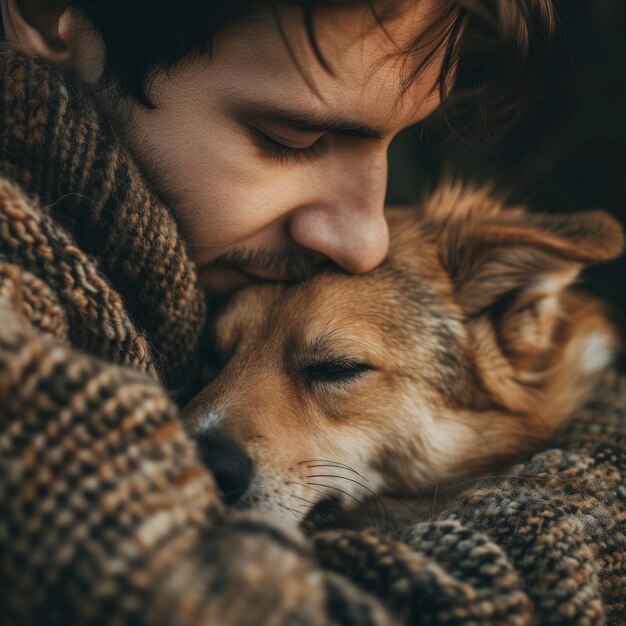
[347,224]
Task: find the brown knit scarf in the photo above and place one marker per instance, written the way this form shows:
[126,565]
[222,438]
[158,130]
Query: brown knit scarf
[106,515]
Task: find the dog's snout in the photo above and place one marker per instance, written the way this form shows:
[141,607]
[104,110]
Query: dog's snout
[229,462]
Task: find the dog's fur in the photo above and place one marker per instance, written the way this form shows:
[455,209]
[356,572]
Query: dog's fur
[466,349]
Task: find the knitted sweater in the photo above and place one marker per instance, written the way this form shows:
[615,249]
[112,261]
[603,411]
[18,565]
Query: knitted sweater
[106,514]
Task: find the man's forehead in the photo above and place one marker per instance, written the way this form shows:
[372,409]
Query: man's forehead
[363,113]
[367,67]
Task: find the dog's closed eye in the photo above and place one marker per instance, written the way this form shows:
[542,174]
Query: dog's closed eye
[335,371]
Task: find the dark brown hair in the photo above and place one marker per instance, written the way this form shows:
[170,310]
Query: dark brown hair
[492,49]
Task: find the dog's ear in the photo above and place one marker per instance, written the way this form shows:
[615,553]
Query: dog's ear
[538,348]
[490,260]
[512,269]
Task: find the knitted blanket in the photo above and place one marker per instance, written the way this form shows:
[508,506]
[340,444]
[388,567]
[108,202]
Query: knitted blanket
[106,514]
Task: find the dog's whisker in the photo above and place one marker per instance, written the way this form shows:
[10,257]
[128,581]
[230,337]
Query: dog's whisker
[349,496]
[309,502]
[382,512]
[335,466]
[326,461]
[380,505]
[384,515]
[302,509]
[352,480]
[295,513]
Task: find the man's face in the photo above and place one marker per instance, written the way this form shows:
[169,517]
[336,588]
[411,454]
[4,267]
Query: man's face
[272,168]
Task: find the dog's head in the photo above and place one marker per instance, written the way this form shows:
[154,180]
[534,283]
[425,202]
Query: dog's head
[465,349]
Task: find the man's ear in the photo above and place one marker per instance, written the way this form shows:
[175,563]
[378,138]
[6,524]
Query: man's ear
[36,27]
[491,259]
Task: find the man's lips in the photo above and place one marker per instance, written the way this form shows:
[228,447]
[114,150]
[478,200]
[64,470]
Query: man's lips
[264,274]
[222,280]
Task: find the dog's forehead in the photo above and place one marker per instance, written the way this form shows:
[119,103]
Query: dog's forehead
[246,312]
[344,305]
[384,303]
[326,293]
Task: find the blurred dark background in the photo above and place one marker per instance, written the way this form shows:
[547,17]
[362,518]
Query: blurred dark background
[567,153]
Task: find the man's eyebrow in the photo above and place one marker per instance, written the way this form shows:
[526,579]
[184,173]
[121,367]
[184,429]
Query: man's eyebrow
[313,122]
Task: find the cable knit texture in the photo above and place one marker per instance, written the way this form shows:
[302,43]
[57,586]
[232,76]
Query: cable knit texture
[106,514]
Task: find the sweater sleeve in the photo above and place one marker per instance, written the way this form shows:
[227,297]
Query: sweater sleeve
[106,514]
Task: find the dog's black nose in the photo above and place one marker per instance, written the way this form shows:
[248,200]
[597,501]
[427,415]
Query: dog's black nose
[231,466]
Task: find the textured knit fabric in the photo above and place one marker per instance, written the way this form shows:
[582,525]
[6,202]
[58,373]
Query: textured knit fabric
[106,514]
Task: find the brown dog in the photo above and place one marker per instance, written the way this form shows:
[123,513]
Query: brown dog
[466,349]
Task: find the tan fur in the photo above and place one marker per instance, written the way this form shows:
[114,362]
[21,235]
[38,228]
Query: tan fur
[480,350]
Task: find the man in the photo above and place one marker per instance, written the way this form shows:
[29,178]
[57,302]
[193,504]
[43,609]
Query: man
[271,158]
[250,138]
